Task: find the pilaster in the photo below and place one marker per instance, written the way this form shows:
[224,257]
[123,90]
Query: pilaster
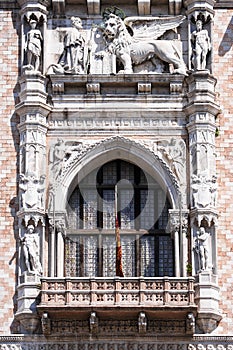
[202,110]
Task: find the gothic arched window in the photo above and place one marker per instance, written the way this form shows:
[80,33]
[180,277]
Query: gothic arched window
[142,206]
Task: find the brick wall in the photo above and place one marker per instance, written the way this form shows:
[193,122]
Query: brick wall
[8,162]
[223,71]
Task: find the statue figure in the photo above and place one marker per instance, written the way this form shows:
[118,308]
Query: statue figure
[142,322]
[201,46]
[144,44]
[46,324]
[72,58]
[33,46]
[93,321]
[30,250]
[202,248]
[190,323]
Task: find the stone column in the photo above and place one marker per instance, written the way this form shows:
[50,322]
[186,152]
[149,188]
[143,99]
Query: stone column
[178,223]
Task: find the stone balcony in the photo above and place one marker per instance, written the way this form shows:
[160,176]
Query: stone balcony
[163,296]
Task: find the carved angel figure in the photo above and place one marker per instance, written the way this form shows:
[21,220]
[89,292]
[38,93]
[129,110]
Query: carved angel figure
[60,153]
[145,43]
[174,153]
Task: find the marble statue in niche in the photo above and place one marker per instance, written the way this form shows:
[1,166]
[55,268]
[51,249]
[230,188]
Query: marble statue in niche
[30,250]
[33,46]
[201,46]
[202,249]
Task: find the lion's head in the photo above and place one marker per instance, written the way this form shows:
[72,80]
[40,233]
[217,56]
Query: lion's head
[116,29]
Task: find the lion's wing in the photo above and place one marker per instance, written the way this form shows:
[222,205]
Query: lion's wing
[151,28]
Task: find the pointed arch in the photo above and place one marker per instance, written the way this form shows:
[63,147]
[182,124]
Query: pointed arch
[109,149]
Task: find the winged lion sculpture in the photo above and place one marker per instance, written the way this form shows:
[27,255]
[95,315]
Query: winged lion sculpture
[143,42]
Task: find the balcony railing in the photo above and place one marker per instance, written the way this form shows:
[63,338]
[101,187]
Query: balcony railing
[114,292]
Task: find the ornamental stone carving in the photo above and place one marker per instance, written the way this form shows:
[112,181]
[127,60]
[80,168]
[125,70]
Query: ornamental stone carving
[60,152]
[190,323]
[132,45]
[144,44]
[142,322]
[31,189]
[93,322]
[72,58]
[174,152]
[204,190]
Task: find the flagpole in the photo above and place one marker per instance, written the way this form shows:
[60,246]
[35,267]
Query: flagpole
[119,269]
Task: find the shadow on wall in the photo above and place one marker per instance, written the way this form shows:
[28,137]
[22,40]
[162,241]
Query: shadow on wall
[226,42]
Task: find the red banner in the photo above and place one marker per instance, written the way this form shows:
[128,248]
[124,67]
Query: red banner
[119,269]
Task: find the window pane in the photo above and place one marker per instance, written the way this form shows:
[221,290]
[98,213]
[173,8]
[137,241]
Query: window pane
[162,210]
[108,209]
[128,255]
[109,256]
[127,171]
[147,209]
[90,255]
[74,210]
[127,209]
[72,257]
[89,209]
[110,173]
[147,256]
[165,253]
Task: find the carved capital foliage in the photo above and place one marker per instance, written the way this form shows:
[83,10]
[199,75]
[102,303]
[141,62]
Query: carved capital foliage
[178,219]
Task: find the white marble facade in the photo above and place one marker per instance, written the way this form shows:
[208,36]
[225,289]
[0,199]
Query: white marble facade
[127,85]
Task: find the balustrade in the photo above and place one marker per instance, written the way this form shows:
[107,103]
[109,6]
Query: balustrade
[110,292]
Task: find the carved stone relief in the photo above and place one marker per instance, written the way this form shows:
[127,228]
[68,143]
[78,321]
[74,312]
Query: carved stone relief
[204,191]
[132,45]
[32,191]
[173,151]
[60,152]
[71,60]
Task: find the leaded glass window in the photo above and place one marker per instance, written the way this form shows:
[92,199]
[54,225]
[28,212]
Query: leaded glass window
[142,210]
